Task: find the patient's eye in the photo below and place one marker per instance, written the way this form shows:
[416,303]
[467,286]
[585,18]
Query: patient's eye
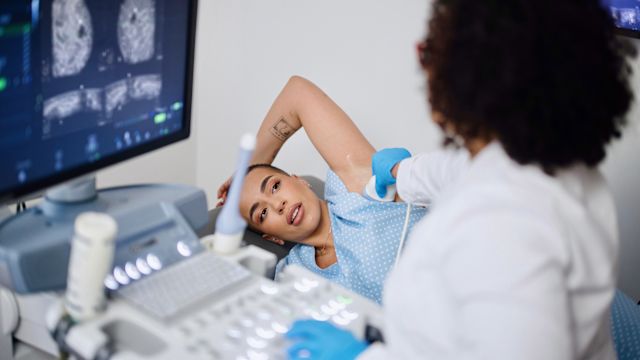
[275,187]
[263,215]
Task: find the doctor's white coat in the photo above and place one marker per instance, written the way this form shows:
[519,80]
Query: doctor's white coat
[510,264]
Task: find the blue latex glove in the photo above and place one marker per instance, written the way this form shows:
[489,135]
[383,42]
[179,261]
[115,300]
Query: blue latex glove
[381,165]
[319,340]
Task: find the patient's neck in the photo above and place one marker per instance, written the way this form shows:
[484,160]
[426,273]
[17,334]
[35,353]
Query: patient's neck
[475,146]
[319,237]
[323,239]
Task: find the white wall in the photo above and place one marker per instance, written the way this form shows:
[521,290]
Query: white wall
[362,53]
[622,169]
[172,164]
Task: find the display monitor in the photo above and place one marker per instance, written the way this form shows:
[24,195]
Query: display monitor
[88,83]
[626,16]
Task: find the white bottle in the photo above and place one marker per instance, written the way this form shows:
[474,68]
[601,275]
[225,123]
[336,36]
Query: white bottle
[92,250]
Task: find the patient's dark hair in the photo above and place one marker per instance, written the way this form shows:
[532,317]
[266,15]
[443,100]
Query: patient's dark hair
[549,79]
[265,165]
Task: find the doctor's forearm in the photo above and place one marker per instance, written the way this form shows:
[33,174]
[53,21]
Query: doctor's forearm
[423,177]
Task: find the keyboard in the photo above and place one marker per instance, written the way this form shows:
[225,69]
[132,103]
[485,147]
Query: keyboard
[182,286]
[207,307]
[250,323]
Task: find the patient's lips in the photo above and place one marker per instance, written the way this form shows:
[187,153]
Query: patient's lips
[295,215]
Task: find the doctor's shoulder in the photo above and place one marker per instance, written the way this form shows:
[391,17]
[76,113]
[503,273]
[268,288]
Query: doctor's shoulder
[526,192]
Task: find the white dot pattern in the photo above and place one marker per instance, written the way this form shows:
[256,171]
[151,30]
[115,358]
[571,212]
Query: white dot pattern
[366,235]
[625,326]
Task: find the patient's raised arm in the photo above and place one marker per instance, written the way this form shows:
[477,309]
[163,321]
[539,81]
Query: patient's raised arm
[302,104]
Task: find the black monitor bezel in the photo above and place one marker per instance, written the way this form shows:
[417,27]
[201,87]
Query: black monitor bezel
[627,32]
[37,186]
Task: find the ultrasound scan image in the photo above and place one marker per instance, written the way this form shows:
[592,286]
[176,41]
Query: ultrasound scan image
[72,37]
[115,96]
[104,63]
[136,30]
[145,87]
[63,105]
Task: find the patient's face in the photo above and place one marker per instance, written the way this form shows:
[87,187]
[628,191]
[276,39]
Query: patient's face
[280,205]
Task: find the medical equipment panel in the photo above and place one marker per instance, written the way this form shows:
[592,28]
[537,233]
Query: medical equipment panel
[179,287]
[88,83]
[230,313]
[156,225]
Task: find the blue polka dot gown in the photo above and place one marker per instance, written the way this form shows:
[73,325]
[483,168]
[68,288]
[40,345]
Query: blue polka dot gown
[625,326]
[366,237]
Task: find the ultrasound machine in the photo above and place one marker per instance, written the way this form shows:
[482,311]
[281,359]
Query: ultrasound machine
[85,84]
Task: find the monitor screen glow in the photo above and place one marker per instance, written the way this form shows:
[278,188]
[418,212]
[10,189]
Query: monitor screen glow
[88,83]
[626,15]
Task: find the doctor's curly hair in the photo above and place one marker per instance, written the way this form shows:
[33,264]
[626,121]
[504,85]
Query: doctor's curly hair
[549,79]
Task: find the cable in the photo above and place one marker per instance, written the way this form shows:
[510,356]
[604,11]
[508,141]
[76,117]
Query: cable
[21,206]
[403,236]
[370,193]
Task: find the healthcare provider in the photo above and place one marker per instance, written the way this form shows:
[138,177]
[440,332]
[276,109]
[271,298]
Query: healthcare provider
[517,259]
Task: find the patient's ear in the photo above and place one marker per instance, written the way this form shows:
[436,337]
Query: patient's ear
[273,239]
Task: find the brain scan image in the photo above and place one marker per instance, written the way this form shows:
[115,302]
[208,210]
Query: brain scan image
[136,30]
[72,36]
[145,87]
[63,105]
[115,96]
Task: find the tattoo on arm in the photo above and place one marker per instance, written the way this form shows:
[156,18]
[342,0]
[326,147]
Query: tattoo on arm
[282,130]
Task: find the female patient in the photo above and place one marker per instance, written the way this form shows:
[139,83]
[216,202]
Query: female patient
[345,237]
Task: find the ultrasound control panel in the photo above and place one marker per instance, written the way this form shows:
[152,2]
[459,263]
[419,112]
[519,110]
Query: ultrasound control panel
[208,307]
[165,239]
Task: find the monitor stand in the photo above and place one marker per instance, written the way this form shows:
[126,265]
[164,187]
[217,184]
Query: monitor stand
[75,191]
[152,219]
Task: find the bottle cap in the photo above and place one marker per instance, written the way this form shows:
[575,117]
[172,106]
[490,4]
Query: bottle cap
[96,226]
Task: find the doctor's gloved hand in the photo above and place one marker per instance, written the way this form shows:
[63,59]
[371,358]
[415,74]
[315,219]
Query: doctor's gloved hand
[319,340]
[382,163]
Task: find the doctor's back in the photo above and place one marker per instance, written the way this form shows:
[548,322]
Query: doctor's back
[518,256]
[512,263]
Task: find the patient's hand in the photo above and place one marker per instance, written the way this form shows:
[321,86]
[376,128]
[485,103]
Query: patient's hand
[223,190]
